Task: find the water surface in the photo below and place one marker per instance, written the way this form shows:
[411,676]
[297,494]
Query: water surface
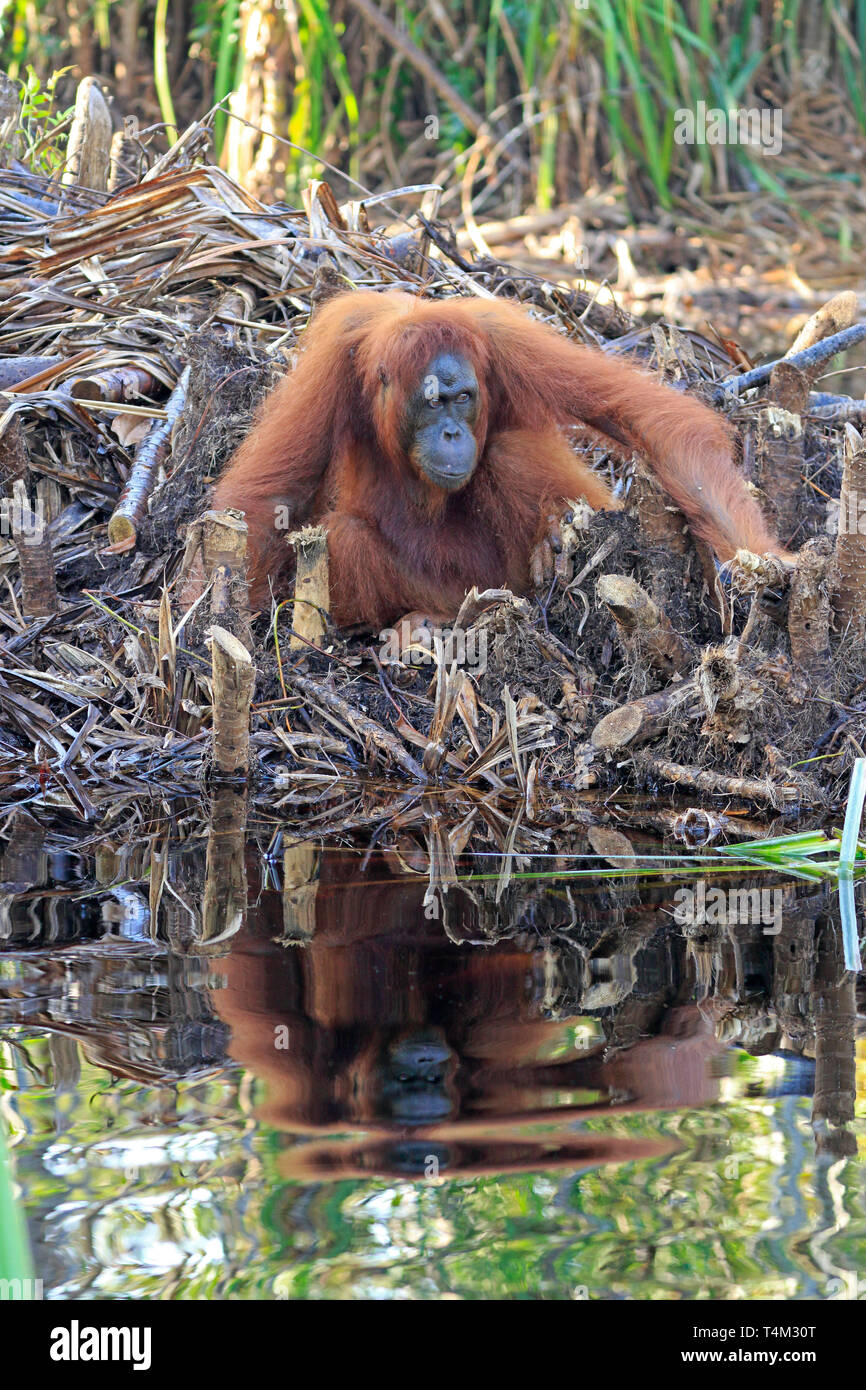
[341,1090]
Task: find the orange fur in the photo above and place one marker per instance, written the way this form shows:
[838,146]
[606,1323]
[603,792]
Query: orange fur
[327,445]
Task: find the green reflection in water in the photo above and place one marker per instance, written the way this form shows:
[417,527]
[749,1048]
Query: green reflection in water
[137,1191]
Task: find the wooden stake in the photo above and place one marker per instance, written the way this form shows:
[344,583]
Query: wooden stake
[224,903]
[312,594]
[809,608]
[36,558]
[88,154]
[234,678]
[300,886]
[849,601]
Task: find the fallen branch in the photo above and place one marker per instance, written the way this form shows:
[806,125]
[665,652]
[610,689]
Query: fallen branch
[812,357]
[644,719]
[367,729]
[131,508]
[750,788]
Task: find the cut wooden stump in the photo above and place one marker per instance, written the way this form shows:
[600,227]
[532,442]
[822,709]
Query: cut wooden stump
[780,428]
[312,592]
[645,719]
[809,608]
[849,600]
[29,531]
[645,627]
[88,154]
[234,678]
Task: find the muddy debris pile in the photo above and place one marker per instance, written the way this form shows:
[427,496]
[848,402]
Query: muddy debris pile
[141,325]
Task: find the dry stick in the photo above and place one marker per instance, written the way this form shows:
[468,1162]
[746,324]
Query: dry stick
[809,608]
[645,626]
[752,789]
[132,505]
[368,730]
[849,600]
[35,555]
[646,718]
[88,154]
[812,357]
[312,592]
[234,677]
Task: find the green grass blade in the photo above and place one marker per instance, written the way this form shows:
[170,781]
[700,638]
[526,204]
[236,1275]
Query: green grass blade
[847,856]
[15,1260]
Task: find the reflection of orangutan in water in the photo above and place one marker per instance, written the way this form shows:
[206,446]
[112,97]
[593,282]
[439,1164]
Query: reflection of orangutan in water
[439,1054]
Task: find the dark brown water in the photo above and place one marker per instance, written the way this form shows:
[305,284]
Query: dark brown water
[339,1092]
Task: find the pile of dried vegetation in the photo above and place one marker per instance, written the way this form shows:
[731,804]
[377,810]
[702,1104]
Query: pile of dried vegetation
[139,327]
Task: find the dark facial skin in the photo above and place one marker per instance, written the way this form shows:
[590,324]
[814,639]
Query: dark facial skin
[416,1077]
[440,416]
